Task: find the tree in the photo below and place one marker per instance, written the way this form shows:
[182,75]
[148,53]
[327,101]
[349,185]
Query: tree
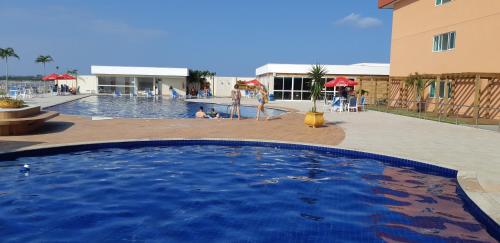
[316,74]
[5,54]
[199,76]
[416,80]
[44,59]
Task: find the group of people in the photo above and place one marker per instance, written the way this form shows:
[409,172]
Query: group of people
[262,98]
[212,114]
[63,89]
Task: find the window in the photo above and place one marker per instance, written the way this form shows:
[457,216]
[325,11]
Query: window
[441,2]
[432,90]
[444,42]
[278,83]
[441,89]
[292,88]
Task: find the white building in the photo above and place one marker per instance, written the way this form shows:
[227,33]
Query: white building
[133,80]
[290,81]
[222,86]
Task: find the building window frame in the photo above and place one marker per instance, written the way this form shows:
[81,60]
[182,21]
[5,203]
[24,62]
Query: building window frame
[450,39]
[442,2]
[442,94]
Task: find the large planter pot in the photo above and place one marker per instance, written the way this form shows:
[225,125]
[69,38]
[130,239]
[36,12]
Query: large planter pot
[314,119]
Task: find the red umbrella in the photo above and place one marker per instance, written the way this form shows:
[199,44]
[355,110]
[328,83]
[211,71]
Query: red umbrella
[65,77]
[254,82]
[340,81]
[51,77]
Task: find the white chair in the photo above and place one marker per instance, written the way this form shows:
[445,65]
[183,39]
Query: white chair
[337,104]
[362,103]
[352,104]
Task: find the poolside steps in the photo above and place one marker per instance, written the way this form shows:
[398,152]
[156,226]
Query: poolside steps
[23,121]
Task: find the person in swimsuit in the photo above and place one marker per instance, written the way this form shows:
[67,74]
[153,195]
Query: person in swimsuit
[213,114]
[236,98]
[262,98]
[201,114]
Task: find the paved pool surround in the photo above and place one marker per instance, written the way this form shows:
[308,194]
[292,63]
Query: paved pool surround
[492,227]
[471,152]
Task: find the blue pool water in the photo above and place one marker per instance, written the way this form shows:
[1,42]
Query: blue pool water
[144,107]
[226,194]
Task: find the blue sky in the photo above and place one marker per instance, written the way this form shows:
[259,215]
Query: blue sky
[230,37]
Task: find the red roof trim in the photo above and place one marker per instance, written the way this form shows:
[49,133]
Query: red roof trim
[386,3]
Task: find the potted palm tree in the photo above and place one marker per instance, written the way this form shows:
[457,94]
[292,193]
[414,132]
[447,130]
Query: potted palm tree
[420,85]
[315,118]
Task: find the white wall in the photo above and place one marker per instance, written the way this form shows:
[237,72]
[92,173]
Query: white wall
[87,84]
[179,84]
[268,81]
[224,85]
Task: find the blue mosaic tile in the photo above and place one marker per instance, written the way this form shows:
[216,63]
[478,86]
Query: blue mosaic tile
[493,228]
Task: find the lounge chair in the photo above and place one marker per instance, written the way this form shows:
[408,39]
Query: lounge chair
[352,104]
[362,103]
[337,104]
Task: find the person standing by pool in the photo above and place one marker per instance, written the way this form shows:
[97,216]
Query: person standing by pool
[236,98]
[263,99]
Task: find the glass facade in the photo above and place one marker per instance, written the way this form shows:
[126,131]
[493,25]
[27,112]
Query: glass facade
[296,88]
[123,84]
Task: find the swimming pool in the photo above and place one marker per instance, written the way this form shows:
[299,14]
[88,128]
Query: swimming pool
[224,192]
[144,107]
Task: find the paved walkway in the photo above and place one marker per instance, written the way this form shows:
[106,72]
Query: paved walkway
[475,153]
[49,101]
[75,129]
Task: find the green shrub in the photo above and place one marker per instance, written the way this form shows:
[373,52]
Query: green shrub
[10,103]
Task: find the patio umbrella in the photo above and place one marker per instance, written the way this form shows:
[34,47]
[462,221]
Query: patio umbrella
[254,82]
[339,81]
[65,77]
[51,77]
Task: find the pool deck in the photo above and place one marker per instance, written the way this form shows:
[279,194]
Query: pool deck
[475,153]
[49,101]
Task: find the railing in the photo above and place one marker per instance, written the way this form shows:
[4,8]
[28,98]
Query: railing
[478,116]
[33,88]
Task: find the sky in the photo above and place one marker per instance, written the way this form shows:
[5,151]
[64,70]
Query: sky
[229,37]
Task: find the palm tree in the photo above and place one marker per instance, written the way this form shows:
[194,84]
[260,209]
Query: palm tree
[5,54]
[44,59]
[316,74]
[199,77]
[75,73]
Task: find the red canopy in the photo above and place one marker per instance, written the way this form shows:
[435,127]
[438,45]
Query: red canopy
[51,77]
[254,82]
[340,81]
[65,77]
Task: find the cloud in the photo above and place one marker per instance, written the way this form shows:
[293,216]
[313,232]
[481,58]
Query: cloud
[60,18]
[359,21]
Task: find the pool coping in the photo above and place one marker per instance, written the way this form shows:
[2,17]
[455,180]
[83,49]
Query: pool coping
[469,188]
[81,96]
